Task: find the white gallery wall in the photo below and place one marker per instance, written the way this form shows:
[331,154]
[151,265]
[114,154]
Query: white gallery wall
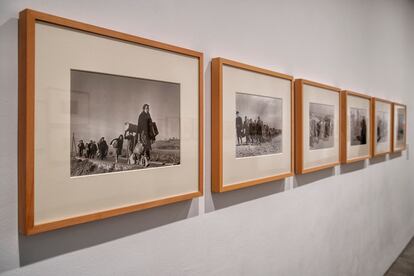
[353,220]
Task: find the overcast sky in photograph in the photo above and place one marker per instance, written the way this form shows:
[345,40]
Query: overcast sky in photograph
[269,109]
[101,104]
[321,110]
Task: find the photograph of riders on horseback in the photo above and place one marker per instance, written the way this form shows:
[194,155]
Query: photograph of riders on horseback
[258,125]
[135,121]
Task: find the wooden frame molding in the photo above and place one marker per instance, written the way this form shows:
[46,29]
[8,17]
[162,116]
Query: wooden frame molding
[299,168]
[344,126]
[27,21]
[217,184]
[373,142]
[393,126]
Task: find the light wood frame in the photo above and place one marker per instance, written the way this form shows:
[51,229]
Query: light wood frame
[405,127]
[344,126]
[27,21]
[217,184]
[299,169]
[373,142]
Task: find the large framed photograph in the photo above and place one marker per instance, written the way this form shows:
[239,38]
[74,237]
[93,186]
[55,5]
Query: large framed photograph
[381,121]
[109,123]
[355,127]
[252,125]
[400,127]
[317,109]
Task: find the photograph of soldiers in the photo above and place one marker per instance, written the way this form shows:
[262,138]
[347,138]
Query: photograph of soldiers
[105,106]
[321,126]
[358,125]
[260,131]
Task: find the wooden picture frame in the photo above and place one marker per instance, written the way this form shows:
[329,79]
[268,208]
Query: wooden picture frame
[394,127]
[374,103]
[217,108]
[28,22]
[300,127]
[345,159]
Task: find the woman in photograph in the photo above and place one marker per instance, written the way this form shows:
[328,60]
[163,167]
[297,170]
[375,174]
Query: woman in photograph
[144,131]
[117,143]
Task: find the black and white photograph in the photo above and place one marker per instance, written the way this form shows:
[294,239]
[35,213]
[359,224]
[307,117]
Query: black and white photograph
[358,126]
[382,126]
[321,126]
[258,125]
[400,127]
[121,123]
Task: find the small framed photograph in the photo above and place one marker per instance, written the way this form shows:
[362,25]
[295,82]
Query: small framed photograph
[252,125]
[381,121]
[355,127]
[317,112]
[400,127]
[109,123]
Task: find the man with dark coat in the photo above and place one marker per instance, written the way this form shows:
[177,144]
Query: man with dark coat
[252,130]
[103,148]
[246,128]
[145,131]
[239,127]
[81,147]
[363,132]
[94,149]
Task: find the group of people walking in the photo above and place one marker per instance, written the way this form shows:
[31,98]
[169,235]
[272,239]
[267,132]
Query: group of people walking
[254,131]
[139,142]
[92,149]
[320,128]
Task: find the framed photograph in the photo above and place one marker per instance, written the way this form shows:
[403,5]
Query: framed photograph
[109,123]
[355,127]
[317,109]
[381,121]
[400,127]
[252,125]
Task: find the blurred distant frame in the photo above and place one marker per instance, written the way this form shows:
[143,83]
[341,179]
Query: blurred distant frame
[27,96]
[374,151]
[397,128]
[217,184]
[299,133]
[344,126]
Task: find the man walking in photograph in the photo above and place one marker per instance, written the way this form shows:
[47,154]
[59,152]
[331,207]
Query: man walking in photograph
[239,126]
[81,147]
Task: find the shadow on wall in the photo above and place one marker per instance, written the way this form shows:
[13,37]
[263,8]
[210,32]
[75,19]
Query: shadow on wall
[46,245]
[394,155]
[352,167]
[377,159]
[215,201]
[305,179]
